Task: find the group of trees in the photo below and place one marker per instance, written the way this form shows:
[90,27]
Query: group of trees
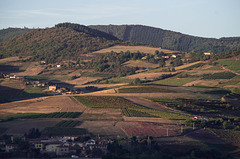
[146,150]
[223,123]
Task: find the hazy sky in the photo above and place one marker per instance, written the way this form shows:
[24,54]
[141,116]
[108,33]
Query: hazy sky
[207,18]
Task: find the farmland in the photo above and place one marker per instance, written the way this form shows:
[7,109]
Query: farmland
[222,75]
[159,105]
[144,49]
[128,108]
[175,81]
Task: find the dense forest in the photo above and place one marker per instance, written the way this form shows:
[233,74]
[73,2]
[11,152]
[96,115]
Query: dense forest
[68,41]
[64,41]
[168,39]
[8,33]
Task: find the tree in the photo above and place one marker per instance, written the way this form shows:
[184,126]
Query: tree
[137,81]
[225,125]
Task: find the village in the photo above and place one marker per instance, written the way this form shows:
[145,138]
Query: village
[56,146]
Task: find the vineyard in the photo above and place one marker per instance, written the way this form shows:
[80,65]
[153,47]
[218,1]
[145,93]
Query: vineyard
[67,123]
[128,108]
[41,115]
[222,75]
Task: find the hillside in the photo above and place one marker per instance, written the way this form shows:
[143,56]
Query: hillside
[8,33]
[66,41]
[169,39]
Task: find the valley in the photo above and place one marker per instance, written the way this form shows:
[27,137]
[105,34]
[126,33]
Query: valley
[72,80]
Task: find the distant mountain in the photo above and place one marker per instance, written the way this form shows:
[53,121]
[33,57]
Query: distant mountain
[169,39]
[64,41]
[8,33]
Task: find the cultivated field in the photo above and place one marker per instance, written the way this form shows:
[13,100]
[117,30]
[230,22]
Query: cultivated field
[134,49]
[42,105]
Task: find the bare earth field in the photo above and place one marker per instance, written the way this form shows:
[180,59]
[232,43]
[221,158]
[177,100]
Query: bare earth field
[83,80]
[133,49]
[32,70]
[106,128]
[42,105]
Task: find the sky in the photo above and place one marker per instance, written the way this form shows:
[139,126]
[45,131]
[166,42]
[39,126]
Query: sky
[204,18]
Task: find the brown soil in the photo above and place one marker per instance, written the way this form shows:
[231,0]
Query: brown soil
[42,105]
[32,70]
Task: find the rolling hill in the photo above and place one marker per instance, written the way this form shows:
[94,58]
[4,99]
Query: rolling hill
[169,39]
[64,41]
[8,33]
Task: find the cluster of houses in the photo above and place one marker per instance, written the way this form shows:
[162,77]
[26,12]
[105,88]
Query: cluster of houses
[64,146]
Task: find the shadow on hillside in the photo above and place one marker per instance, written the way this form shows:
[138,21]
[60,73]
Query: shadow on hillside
[7,69]
[8,94]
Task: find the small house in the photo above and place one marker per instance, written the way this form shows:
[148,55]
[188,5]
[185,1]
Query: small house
[10,147]
[52,147]
[58,66]
[52,88]
[174,56]
[165,57]
[208,53]
[12,76]
[62,150]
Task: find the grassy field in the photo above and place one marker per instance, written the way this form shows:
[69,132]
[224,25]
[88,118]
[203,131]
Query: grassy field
[225,62]
[213,68]
[143,90]
[235,66]
[175,81]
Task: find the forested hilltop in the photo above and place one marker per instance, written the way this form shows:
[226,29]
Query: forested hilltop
[8,33]
[64,41]
[169,39]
